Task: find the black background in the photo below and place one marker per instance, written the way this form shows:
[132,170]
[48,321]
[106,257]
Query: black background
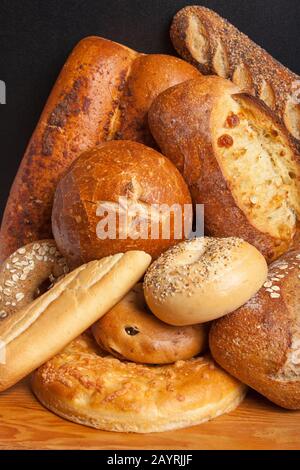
[37,35]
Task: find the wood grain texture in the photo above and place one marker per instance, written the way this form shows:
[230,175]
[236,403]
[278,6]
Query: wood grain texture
[256,424]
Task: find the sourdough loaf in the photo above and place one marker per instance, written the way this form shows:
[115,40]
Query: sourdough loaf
[215,46]
[260,342]
[236,158]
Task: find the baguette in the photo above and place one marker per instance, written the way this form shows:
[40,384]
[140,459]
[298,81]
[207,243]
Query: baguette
[236,159]
[102,93]
[40,330]
[215,46]
[260,342]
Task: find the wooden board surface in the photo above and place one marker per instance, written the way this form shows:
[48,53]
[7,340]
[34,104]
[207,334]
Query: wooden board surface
[256,424]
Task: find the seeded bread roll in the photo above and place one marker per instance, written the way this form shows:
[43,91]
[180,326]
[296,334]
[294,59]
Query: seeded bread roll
[203,279]
[260,342]
[236,159]
[41,329]
[211,43]
[88,386]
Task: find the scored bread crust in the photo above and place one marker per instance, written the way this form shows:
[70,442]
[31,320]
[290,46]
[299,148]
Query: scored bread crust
[185,121]
[84,385]
[40,330]
[210,42]
[260,342]
[102,93]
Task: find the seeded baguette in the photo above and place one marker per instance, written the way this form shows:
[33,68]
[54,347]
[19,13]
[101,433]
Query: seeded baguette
[102,93]
[260,342]
[215,46]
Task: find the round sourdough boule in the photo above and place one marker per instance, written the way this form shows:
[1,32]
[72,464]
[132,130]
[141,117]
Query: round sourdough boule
[28,273]
[203,279]
[130,331]
[41,329]
[87,202]
[260,342]
[84,385]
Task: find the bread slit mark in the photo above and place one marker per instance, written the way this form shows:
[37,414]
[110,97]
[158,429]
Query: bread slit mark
[220,61]
[242,77]
[267,94]
[197,41]
[291,118]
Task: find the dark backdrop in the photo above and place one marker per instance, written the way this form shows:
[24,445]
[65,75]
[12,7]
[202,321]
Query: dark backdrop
[37,35]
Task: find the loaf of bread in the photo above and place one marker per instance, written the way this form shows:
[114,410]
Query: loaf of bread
[111,199]
[34,334]
[211,43]
[260,342]
[103,92]
[236,159]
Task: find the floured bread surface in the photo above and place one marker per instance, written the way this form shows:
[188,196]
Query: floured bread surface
[259,165]
[86,386]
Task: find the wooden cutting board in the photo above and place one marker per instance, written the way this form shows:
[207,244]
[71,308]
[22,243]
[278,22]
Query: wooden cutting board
[256,424]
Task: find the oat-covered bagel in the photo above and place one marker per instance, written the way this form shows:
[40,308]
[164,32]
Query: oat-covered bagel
[28,273]
[130,331]
[203,279]
[86,386]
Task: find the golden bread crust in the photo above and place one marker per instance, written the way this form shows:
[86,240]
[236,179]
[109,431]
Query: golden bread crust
[84,385]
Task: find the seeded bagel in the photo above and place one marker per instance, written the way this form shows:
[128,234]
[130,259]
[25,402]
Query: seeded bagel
[203,279]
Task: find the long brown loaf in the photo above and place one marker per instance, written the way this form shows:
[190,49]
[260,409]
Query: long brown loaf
[215,46]
[103,92]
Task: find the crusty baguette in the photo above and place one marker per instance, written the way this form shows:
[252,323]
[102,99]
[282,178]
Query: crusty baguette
[236,159]
[210,42]
[260,342]
[39,331]
[103,92]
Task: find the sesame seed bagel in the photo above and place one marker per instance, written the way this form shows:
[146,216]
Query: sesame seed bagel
[203,279]
[88,386]
[27,273]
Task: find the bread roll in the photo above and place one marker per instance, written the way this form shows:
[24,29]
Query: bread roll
[236,159]
[260,342]
[88,387]
[39,331]
[203,279]
[87,202]
[130,331]
[102,93]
